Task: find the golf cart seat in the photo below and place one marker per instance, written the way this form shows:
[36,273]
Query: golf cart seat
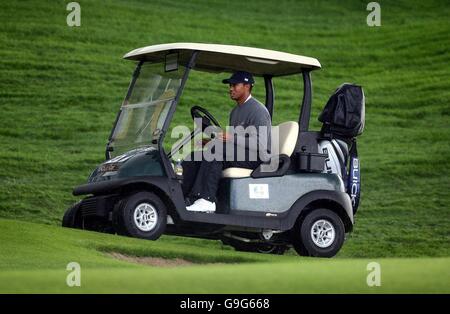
[286,141]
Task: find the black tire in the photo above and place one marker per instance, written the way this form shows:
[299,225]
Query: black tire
[72,217]
[97,224]
[302,239]
[262,248]
[271,249]
[124,216]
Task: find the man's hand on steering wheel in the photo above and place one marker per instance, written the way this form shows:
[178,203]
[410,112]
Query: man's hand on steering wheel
[205,117]
[224,137]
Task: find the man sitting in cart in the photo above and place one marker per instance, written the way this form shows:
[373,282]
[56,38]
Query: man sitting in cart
[201,178]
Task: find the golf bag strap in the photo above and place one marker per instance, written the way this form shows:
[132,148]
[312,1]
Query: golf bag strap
[354,177]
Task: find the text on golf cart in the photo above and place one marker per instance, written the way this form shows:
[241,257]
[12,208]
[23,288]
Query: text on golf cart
[355,181]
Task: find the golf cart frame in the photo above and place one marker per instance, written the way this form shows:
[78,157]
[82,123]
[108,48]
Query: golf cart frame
[102,209]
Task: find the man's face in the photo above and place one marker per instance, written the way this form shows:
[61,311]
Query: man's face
[239,90]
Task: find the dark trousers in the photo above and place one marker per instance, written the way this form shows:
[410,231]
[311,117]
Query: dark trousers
[201,178]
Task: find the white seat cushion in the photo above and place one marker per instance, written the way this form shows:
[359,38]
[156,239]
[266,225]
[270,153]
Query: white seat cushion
[236,172]
[285,136]
[288,133]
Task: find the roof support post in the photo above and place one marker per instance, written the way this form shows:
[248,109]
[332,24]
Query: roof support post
[165,159]
[270,93]
[305,112]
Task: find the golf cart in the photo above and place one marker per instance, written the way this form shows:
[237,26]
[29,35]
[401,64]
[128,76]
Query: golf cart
[306,203]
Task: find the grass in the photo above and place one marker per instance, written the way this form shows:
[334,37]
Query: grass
[61,87]
[216,269]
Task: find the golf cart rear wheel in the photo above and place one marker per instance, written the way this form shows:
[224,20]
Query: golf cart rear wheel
[140,215]
[321,234]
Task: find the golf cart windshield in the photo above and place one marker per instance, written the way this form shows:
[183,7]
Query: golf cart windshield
[145,109]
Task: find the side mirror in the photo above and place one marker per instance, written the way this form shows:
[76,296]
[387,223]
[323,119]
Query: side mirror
[171,62]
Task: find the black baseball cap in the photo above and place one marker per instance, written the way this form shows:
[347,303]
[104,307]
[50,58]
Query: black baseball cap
[240,77]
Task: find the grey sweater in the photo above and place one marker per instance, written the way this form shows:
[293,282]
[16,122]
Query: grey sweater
[252,113]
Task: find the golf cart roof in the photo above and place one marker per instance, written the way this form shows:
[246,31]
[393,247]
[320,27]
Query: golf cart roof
[227,58]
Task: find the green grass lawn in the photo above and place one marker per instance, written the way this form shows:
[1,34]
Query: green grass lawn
[40,266]
[61,87]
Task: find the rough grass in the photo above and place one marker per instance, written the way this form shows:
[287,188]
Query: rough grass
[60,89]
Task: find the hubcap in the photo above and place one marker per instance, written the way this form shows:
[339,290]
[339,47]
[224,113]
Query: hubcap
[322,233]
[145,217]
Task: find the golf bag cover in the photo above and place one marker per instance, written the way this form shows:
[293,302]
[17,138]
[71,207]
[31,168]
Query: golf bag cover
[343,119]
[344,114]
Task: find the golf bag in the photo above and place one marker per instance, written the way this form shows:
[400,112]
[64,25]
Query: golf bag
[343,120]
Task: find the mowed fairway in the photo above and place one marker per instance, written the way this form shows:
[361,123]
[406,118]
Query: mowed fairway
[40,267]
[61,87]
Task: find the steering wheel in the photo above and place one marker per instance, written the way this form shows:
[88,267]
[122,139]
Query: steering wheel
[207,118]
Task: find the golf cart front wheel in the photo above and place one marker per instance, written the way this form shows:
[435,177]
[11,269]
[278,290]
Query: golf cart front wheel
[140,215]
[321,234]
[72,217]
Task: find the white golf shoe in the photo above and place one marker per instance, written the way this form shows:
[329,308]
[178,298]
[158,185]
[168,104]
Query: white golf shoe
[202,205]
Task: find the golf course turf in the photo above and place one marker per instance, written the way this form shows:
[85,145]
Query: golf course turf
[61,88]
